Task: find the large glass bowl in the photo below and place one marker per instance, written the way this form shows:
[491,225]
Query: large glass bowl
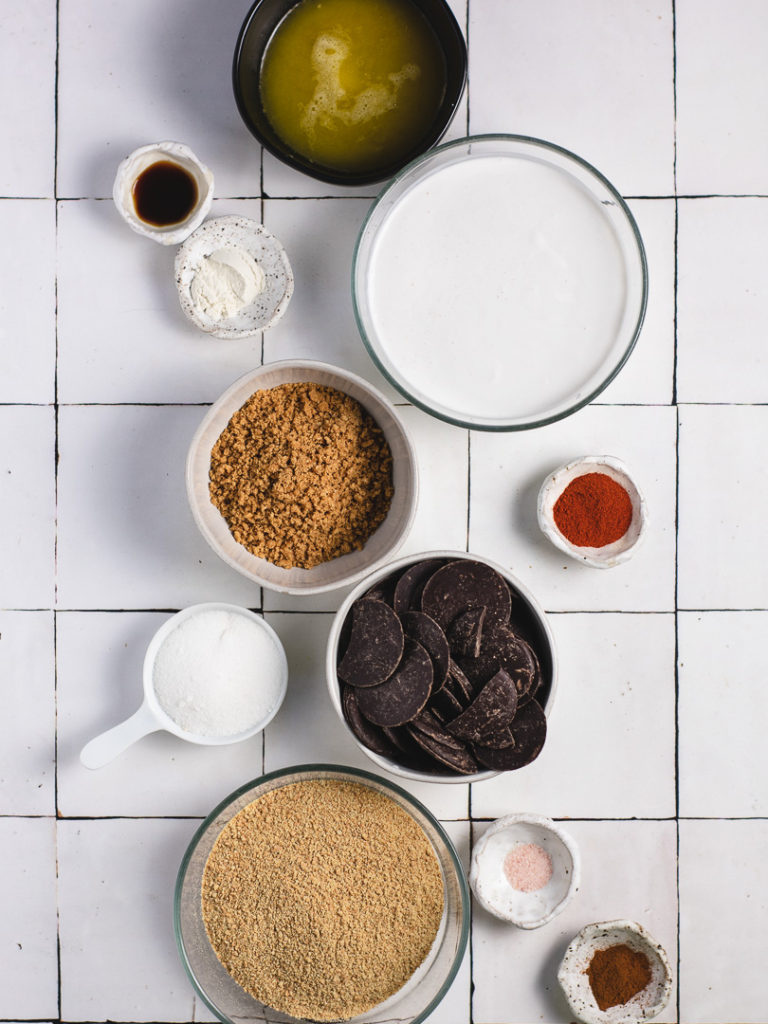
[499,282]
[224,997]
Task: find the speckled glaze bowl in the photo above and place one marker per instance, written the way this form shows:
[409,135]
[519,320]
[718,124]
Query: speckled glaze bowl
[575,983]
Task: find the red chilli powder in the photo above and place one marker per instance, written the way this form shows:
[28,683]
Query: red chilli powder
[527,867]
[593,510]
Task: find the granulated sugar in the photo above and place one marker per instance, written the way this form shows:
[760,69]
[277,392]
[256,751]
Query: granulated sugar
[218,673]
[527,867]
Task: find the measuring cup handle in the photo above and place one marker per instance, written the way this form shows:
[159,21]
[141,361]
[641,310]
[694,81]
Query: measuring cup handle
[105,747]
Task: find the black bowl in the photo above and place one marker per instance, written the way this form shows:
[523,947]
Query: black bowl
[256,32]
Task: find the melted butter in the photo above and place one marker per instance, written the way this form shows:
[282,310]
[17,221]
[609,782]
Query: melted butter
[352,84]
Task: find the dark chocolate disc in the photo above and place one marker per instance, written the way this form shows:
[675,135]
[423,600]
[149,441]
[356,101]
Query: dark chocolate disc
[410,585]
[466,584]
[425,722]
[375,644]
[425,630]
[458,684]
[369,735]
[466,633]
[460,761]
[503,648]
[535,684]
[492,709]
[502,737]
[404,694]
[529,728]
[444,705]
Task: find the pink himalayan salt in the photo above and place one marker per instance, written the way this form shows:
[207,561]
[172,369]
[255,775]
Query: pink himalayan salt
[527,867]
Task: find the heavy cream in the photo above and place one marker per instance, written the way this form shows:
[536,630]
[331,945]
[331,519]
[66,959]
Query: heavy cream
[496,289]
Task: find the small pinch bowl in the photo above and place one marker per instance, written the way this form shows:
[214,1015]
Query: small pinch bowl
[493,891]
[575,983]
[137,162]
[536,621]
[231,1004]
[236,232]
[341,571]
[554,485]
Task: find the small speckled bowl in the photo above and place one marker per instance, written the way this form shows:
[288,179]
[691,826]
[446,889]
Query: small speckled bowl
[264,248]
[554,485]
[575,983]
[493,891]
[137,162]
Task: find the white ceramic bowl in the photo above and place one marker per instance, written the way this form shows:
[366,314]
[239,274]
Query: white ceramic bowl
[140,160]
[536,620]
[339,572]
[490,885]
[554,485]
[575,983]
[236,233]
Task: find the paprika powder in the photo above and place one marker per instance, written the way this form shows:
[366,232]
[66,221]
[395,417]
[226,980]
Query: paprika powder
[593,510]
[616,974]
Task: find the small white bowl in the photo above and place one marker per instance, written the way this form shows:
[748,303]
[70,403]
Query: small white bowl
[575,983]
[140,160]
[490,885]
[341,571]
[554,485]
[263,247]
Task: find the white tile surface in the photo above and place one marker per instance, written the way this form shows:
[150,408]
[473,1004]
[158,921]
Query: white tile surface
[507,471]
[722,883]
[723,492]
[119,959]
[28,723]
[27,300]
[616,690]
[27,506]
[594,77]
[628,871]
[28,920]
[723,708]
[722,97]
[722,300]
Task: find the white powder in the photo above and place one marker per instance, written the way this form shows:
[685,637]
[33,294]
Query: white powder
[218,674]
[225,282]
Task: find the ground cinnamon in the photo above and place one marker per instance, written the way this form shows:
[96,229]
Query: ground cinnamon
[616,974]
[593,510]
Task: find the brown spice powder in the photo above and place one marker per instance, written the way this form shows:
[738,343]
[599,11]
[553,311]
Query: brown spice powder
[302,474]
[322,898]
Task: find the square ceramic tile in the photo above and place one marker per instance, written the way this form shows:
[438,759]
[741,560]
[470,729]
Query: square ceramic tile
[308,730]
[441,511]
[119,960]
[28,922]
[647,376]
[126,537]
[507,471]
[28,84]
[628,871]
[105,688]
[722,713]
[161,74]
[610,748]
[27,300]
[122,334]
[722,96]
[722,300]
[27,506]
[594,77]
[28,724]
[723,543]
[723,908]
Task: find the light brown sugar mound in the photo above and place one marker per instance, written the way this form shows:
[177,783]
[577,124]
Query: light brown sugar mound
[302,474]
[322,898]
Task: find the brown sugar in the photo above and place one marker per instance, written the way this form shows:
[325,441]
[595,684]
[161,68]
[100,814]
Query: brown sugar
[321,898]
[301,474]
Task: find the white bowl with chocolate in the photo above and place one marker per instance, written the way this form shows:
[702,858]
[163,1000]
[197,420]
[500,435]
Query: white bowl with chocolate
[302,477]
[442,667]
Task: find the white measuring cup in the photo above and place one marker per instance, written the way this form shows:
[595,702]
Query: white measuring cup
[151,717]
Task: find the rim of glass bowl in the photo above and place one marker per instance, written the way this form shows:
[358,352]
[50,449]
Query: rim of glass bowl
[466,142]
[327,770]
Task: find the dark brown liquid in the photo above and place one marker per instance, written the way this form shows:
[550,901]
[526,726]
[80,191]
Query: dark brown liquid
[164,194]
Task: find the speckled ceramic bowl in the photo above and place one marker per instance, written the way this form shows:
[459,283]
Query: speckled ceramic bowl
[491,887]
[575,983]
[262,246]
[137,162]
[611,554]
